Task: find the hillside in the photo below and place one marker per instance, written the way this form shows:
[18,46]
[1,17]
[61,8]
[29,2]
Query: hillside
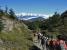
[15,35]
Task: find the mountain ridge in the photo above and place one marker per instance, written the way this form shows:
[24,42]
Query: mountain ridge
[31,18]
[27,16]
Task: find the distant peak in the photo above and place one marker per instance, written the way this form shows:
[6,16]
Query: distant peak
[32,14]
[26,16]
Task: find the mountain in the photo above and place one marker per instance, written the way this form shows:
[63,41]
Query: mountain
[36,19]
[31,18]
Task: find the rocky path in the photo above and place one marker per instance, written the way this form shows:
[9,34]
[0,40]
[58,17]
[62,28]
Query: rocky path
[38,44]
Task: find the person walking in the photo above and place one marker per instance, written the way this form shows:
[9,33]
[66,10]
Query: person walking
[57,45]
[35,38]
[65,45]
[39,37]
[54,44]
[62,44]
[43,42]
[51,45]
[47,44]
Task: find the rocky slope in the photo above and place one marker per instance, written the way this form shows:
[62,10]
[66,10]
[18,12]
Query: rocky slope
[15,35]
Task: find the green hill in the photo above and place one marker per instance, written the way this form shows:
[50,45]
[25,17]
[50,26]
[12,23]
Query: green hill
[15,35]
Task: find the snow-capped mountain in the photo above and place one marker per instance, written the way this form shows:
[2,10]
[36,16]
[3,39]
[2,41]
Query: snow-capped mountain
[31,16]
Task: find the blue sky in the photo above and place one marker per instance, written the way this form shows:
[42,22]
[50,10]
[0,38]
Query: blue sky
[36,6]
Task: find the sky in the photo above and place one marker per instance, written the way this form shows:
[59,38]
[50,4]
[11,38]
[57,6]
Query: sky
[35,6]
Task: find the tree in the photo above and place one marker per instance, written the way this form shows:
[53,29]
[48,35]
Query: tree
[12,14]
[1,12]
[64,17]
[6,9]
[53,21]
[64,22]
[43,25]
[32,26]
[1,25]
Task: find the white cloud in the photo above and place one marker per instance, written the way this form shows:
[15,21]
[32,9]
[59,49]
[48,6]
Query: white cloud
[28,18]
[33,14]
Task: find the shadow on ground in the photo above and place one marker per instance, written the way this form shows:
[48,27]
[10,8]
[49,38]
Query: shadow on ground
[34,48]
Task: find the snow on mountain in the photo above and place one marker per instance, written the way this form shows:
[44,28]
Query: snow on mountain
[27,16]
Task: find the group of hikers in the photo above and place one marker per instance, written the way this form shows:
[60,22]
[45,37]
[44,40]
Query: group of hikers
[50,43]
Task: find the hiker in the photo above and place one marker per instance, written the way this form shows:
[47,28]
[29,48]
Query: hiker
[35,37]
[39,37]
[54,44]
[51,45]
[65,46]
[43,42]
[47,43]
[61,42]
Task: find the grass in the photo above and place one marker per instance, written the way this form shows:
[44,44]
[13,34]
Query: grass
[19,37]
